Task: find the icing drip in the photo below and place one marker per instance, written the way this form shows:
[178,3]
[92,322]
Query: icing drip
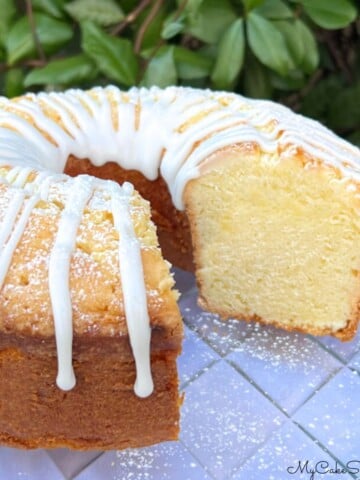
[59,270]
[18,176]
[133,286]
[7,224]
[14,230]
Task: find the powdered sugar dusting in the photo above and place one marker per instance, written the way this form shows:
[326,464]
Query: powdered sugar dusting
[251,410]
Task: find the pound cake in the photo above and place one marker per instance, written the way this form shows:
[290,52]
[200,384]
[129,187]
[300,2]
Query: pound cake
[261,203]
[89,324]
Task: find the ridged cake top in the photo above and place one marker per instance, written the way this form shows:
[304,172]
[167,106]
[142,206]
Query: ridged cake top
[168,131]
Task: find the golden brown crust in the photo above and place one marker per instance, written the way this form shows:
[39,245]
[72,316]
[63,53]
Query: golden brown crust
[345,334]
[101,412]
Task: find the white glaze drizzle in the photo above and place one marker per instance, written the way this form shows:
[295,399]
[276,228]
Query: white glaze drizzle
[18,176]
[133,287]
[155,143]
[7,224]
[158,131]
[59,272]
[17,228]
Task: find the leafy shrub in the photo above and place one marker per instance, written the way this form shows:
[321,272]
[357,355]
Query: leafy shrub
[304,53]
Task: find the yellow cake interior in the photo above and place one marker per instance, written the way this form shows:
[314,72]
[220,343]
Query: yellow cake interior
[276,239]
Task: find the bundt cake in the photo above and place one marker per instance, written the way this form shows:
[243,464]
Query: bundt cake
[84,289]
[262,203]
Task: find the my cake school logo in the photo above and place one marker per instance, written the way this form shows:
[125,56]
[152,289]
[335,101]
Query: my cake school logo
[322,468]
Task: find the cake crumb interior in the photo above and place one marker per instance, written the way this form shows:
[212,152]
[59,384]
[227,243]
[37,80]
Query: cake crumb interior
[276,239]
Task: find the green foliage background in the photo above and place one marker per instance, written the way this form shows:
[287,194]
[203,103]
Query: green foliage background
[303,53]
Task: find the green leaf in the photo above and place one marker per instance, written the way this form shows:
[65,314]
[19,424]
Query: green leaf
[335,104]
[68,71]
[152,35]
[354,138]
[104,13]
[172,26]
[14,82]
[161,70]
[190,64]
[251,4]
[172,29]
[274,9]
[293,40]
[344,111]
[301,44]
[192,6]
[317,102]
[129,5]
[113,56]
[211,20]
[190,10]
[293,81]
[310,60]
[54,8]
[51,33]
[330,14]
[8,10]
[268,43]
[230,56]
[256,79]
